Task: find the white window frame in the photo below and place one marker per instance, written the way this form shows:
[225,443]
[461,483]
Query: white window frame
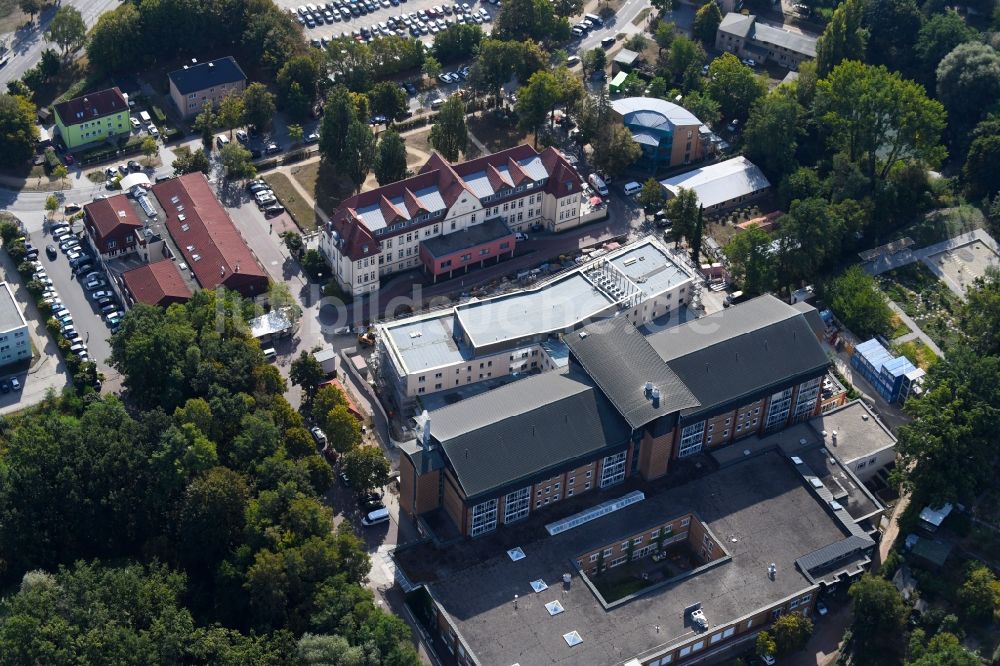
[484,517]
[613,469]
[517,505]
[691,439]
[777,411]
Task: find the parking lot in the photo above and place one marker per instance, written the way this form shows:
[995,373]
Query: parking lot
[366,20]
[86,315]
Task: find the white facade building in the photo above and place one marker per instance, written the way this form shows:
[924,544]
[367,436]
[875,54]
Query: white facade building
[449,218]
[15,343]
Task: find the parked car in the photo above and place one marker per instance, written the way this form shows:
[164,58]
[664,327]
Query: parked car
[318,435]
[94,283]
[50,250]
[272,148]
[98,295]
[72,254]
[5,386]
[273,210]
[15,383]
[69,244]
[153,132]
[312,137]
[264,203]
[821,608]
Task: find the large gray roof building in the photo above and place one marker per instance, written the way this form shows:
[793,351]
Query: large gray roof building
[748,37]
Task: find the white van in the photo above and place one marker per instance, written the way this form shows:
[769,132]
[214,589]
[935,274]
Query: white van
[632,188]
[375,517]
[144,115]
[270,354]
[598,184]
[222,141]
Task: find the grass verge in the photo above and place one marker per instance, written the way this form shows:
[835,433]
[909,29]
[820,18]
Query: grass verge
[294,203]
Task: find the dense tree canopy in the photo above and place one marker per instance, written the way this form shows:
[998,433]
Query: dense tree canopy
[187,527]
[18,131]
[734,86]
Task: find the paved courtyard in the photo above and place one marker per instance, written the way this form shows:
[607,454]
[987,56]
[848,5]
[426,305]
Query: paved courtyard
[958,267]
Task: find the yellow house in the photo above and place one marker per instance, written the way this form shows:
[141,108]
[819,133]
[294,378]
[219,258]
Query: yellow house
[93,117]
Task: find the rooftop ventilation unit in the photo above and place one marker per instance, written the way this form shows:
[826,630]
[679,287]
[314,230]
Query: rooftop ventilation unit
[515,554]
[539,585]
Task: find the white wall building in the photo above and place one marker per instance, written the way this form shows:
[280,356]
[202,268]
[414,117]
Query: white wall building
[15,343]
[449,218]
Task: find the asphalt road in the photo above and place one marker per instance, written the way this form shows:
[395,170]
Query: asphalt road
[28,43]
[86,317]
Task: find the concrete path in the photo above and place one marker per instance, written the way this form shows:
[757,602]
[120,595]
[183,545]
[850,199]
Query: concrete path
[885,264]
[905,318]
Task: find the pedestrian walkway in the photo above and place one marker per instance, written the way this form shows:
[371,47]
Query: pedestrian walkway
[914,328]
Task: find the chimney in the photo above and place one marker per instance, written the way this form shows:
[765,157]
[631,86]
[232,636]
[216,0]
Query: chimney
[656,397]
[425,439]
[194,61]
[211,64]
[185,66]
[649,389]
[772,570]
[834,435]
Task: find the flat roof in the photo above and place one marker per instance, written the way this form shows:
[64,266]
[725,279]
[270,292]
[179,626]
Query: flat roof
[470,237]
[774,519]
[859,433]
[552,307]
[649,266]
[11,316]
[426,342]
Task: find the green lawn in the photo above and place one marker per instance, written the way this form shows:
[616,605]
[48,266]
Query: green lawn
[297,207]
[918,353]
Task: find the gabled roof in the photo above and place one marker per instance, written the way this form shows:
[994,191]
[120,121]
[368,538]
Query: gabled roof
[735,353]
[91,106]
[620,360]
[737,24]
[158,283]
[203,231]
[360,220]
[719,182]
[518,431]
[112,216]
[193,78]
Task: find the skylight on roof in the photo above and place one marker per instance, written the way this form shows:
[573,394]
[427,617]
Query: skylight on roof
[539,585]
[572,638]
[554,608]
[196,257]
[182,217]
[174,199]
[515,554]
[121,213]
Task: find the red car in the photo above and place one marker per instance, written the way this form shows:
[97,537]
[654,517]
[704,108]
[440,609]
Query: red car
[68,159]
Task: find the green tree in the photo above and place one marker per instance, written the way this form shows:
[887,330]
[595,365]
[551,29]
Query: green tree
[206,122]
[306,372]
[30,7]
[665,34]
[685,56]
[791,633]
[770,136]
[293,241]
[51,204]
[449,134]
[535,101]
[983,163]
[844,37]
[936,39]
[18,131]
[703,107]
[366,467]
[388,99]
[944,649]
[750,260]
[230,113]
[706,22]
[359,153]
[295,134]
[810,238]
[638,43]
[594,60]
[765,645]
[338,115]
[298,84]
[390,158]
[67,29]
[878,118]
[857,301]
[879,611]
[189,162]
[651,196]
[616,149]
[682,210]
[457,42]
[734,86]
[237,161]
[968,83]
[258,106]
[342,429]
[519,20]
[150,148]
[327,397]
[49,64]
[892,27]
[60,173]
[431,67]
[210,518]
[979,596]
[112,45]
